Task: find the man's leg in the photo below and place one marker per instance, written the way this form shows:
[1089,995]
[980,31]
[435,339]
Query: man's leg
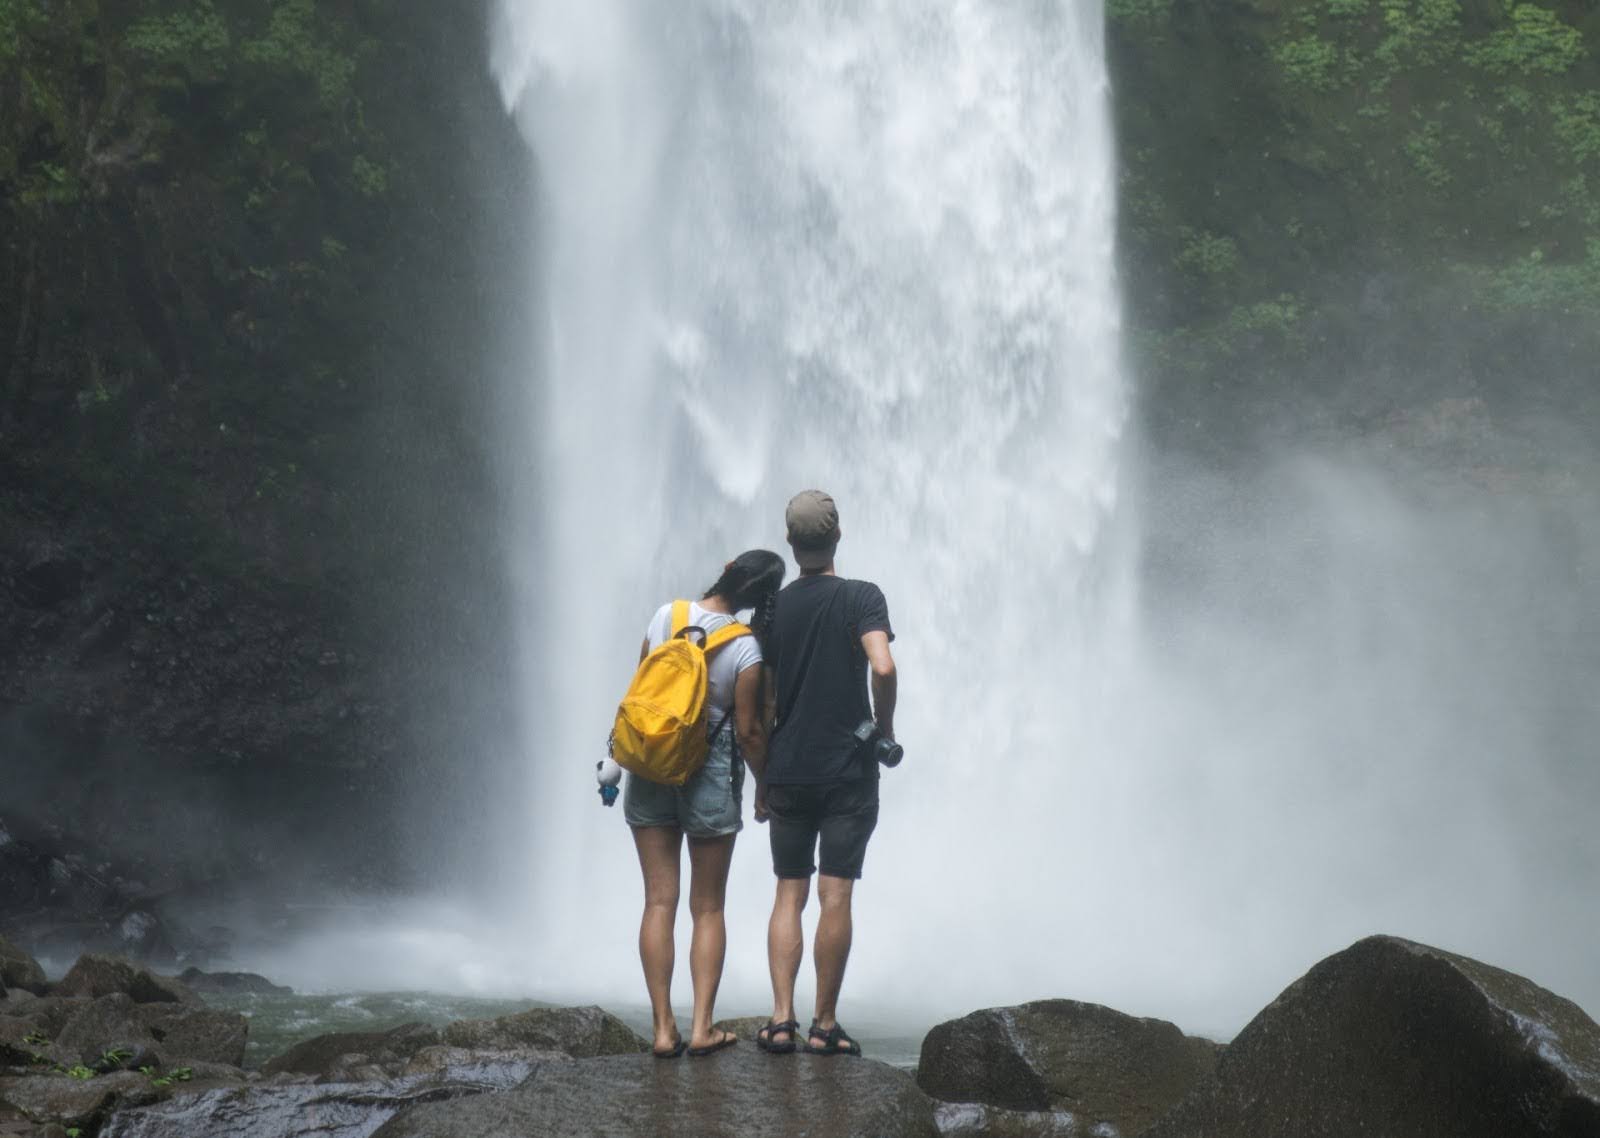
[708,889]
[850,815]
[834,929]
[786,946]
[658,857]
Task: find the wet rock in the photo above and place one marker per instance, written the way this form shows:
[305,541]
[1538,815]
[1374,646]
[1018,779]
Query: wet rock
[745,1027]
[740,1091]
[231,983]
[320,1054]
[50,579]
[343,1110]
[1395,1038]
[139,934]
[175,1034]
[19,970]
[961,1119]
[494,1068]
[96,975]
[77,1103]
[583,1033]
[188,1035]
[48,1013]
[23,1044]
[1100,1065]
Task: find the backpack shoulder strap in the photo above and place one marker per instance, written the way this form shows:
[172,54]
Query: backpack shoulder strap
[680,618]
[730,631]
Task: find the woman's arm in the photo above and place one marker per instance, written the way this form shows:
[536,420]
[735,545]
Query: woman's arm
[749,709]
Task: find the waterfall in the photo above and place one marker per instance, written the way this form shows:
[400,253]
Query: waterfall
[865,247]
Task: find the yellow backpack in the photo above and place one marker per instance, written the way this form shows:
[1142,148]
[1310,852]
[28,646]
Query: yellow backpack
[660,731]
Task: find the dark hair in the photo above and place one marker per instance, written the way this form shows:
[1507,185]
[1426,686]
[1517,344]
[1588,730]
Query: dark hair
[751,581]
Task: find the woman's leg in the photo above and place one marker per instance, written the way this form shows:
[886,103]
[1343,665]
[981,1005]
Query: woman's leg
[709,859]
[659,848]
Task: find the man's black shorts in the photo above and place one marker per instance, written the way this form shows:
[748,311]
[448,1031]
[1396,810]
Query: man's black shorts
[842,814]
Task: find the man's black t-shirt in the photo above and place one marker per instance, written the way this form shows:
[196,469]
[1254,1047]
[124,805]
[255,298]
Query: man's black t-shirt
[815,645]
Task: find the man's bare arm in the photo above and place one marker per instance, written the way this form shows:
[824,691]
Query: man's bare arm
[884,682]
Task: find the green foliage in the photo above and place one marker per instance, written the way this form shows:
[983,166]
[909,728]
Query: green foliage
[81,1072]
[160,1081]
[1145,14]
[1534,284]
[1426,149]
[1417,33]
[194,42]
[1577,125]
[1207,254]
[371,178]
[1536,42]
[294,42]
[1313,63]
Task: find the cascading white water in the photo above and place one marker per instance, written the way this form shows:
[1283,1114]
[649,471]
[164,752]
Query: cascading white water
[866,247]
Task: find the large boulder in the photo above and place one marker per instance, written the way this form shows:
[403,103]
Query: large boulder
[1395,1038]
[1103,1067]
[49,1014]
[737,1092]
[324,1054]
[169,1034]
[582,1033]
[76,1103]
[19,970]
[95,975]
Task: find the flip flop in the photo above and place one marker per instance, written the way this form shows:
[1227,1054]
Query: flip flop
[835,1041]
[764,1037]
[728,1040]
[678,1048]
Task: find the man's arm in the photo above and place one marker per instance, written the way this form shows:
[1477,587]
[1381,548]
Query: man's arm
[884,683]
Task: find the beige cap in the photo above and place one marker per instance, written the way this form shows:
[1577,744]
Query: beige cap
[813,522]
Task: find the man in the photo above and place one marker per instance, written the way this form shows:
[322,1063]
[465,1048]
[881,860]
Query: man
[828,635]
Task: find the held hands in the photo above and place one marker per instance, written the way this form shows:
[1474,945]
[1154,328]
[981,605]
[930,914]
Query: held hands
[761,800]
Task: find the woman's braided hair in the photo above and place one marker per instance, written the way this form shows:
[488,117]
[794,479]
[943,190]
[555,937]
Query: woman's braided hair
[751,581]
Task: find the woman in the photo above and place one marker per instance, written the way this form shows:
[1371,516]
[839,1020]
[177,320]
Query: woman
[706,809]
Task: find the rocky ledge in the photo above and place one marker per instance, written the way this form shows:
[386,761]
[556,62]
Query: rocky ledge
[1388,1037]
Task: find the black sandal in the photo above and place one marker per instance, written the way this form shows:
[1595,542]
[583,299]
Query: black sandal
[764,1037]
[678,1048]
[835,1041]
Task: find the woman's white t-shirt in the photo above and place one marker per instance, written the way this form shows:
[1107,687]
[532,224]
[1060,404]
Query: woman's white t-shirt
[722,666]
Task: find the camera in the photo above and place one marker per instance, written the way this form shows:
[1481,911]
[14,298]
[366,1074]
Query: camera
[886,751]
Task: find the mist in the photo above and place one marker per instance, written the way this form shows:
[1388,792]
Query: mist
[1179,723]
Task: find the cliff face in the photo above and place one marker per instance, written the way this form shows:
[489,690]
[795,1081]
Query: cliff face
[246,575]
[1336,212]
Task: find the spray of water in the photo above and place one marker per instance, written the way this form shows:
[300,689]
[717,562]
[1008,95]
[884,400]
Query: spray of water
[863,247]
[868,247]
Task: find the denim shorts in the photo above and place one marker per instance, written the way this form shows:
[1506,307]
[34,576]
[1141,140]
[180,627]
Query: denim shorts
[709,805]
